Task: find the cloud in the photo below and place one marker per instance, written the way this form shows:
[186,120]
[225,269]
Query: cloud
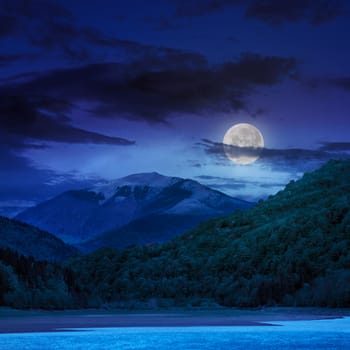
[20,16]
[296,158]
[335,146]
[276,12]
[28,122]
[251,189]
[221,183]
[273,12]
[163,84]
[27,117]
[21,180]
[194,8]
[341,82]
[49,26]
[8,25]
[9,59]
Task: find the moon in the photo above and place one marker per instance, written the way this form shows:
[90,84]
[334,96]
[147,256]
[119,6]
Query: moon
[243,143]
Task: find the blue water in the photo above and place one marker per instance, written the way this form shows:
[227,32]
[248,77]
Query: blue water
[325,334]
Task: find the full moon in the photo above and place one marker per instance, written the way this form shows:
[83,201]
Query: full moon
[243,143]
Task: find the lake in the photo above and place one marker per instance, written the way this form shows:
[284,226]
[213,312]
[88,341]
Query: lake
[321,334]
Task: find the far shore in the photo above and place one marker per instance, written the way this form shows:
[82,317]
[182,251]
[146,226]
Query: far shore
[18,321]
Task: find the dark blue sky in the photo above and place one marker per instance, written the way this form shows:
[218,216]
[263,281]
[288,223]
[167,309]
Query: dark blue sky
[98,90]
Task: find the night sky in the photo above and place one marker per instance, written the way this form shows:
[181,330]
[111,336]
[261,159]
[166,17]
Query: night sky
[96,90]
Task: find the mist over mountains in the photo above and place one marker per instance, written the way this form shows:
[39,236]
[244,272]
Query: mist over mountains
[140,208]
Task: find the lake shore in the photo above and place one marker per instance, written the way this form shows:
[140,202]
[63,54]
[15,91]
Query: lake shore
[17,321]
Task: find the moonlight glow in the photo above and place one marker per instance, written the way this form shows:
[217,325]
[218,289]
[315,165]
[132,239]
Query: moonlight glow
[243,143]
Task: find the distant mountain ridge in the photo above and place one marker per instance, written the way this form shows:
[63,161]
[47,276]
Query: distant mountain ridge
[31,241]
[81,216]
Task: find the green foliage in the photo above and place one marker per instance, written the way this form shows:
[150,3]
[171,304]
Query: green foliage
[26,283]
[292,249]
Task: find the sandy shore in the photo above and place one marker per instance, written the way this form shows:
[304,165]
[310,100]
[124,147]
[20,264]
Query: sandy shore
[12,321]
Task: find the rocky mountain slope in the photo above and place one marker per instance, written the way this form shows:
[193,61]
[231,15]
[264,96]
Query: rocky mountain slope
[119,206]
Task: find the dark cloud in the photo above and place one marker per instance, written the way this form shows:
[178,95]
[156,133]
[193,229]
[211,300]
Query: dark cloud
[45,24]
[273,12]
[49,26]
[27,122]
[194,8]
[22,16]
[35,9]
[342,82]
[8,25]
[162,84]
[276,12]
[79,43]
[258,113]
[27,117]
[282,158]
[335,146]
[9,59]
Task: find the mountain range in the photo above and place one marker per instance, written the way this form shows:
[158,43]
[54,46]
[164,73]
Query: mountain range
[292,250]
[141,208]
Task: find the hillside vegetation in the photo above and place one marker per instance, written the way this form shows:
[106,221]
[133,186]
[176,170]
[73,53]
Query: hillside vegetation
[26,283]
[292,249]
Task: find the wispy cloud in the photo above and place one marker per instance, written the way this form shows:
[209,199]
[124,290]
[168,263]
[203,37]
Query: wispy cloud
[273,12]
[297,158]
[50,27]
[164,84]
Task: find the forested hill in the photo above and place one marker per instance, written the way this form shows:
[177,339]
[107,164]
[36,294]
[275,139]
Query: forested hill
[293,249]
[31,241]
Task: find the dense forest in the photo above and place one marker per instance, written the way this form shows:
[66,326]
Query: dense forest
[27,283]
[292,249]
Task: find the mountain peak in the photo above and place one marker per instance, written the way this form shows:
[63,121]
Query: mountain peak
[152,178]
[77,216]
